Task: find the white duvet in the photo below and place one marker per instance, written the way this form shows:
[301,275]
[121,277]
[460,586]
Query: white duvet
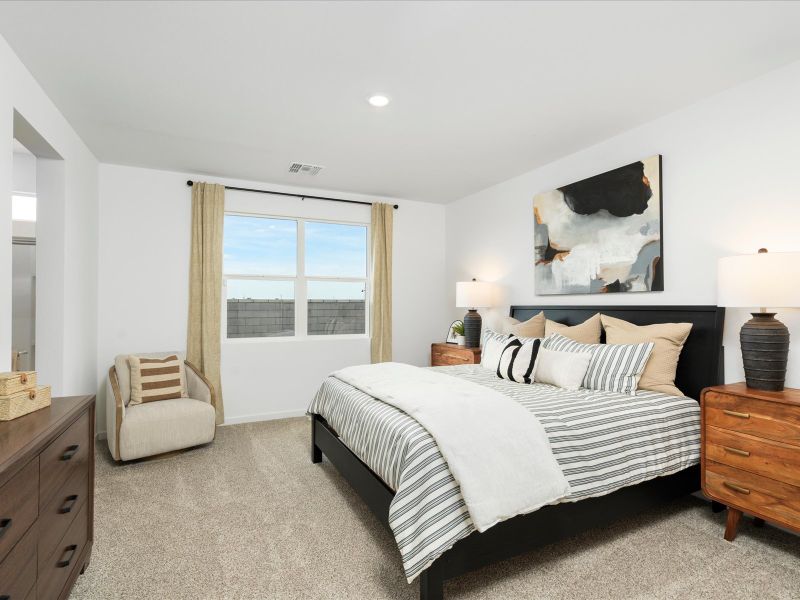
[497,451]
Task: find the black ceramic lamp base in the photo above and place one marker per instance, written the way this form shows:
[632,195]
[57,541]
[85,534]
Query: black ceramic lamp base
[472,329]
[765,352]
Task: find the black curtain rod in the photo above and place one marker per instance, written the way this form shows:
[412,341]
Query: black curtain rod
[190,183]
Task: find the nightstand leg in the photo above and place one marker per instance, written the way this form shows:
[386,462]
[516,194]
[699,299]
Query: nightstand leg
[733,523]
[717,507]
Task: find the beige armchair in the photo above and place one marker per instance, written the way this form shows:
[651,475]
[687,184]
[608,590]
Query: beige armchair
[157,427]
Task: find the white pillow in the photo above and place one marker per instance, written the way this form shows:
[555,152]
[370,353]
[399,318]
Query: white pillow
[518,359]
[613,368]
[493,345]
[561,369]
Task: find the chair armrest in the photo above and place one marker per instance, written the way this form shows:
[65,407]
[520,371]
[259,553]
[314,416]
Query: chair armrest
[115,412]
[198,387]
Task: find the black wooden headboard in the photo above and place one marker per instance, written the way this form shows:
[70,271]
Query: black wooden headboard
[701,361]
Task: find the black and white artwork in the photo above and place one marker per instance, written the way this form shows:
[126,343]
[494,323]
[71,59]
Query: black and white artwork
[601,234]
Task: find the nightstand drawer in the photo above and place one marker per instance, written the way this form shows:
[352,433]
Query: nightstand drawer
[772,499]
[765,457]
[770,420]
[450,354]
[450,358]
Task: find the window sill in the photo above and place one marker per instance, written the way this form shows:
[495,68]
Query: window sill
[296,338]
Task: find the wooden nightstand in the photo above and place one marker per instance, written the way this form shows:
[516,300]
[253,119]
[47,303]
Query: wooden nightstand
[751,453]
[453,354]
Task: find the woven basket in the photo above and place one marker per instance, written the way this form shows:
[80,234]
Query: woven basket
[11,383]
[24,402]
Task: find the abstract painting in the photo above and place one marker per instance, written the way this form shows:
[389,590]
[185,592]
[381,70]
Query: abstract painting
[601,234]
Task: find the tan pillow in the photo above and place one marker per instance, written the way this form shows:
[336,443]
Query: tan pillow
[659,373]
[587,332]
[532,328]
[155,379]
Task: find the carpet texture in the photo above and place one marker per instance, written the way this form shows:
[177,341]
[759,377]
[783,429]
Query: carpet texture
[249,517]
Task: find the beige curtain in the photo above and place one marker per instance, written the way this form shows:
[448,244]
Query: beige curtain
[381,297]
[205,284]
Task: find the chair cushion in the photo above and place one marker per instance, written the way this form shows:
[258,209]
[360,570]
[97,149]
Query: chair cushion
[124,372]
[157,427]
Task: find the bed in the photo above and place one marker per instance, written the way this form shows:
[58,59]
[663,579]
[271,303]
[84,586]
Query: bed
[620,454]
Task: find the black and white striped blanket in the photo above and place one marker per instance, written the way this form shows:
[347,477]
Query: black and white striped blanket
[602,441]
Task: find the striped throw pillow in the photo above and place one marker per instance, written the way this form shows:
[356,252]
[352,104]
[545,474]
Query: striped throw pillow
[613,368]
[518,359]
[155,379]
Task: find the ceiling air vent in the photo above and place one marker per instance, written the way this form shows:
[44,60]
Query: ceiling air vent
[304,168]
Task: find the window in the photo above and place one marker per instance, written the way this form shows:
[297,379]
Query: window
[23,207]
[294,277]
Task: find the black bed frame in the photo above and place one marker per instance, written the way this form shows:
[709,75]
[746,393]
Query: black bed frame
[701,365]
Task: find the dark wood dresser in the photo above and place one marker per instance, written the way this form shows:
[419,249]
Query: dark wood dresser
[46,499]
[751,453]
[453,354]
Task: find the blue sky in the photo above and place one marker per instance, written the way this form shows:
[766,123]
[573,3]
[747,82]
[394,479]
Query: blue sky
[267,246]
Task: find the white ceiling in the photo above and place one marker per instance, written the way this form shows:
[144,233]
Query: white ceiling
[480,91]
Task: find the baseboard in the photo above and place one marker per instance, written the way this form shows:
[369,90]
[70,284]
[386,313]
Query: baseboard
[270,416]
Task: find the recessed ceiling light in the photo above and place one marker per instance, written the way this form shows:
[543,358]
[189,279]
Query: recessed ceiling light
[378,100]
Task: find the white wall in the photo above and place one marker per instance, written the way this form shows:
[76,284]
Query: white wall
[730,183]
[24,173]
[143,295]
[67,249]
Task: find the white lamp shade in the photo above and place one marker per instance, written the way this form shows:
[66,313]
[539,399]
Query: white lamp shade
[768,279]
[474,294]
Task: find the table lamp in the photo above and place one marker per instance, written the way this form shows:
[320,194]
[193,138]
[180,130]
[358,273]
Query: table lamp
[473,295]
[766,279]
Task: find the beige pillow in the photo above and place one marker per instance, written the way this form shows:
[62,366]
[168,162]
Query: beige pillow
[533,327]
[155,379]
[659,373]
[587,332]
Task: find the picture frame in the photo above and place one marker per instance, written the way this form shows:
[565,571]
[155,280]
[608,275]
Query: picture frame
[451,336]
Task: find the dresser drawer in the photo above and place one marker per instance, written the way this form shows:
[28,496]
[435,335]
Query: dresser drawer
[769,420]
[748,491]
[68,453]
[765,457]
[18,570]
[57,515]
[18,505]
[56,568]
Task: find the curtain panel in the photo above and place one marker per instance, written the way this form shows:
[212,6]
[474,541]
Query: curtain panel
[205,285]
[381,292]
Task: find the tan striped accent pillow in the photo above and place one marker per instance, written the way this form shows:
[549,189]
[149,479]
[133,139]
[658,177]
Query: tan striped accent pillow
[155,379]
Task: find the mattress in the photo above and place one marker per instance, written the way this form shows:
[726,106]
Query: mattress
[602,441]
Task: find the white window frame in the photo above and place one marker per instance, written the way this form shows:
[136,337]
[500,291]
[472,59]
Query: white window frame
[300,280]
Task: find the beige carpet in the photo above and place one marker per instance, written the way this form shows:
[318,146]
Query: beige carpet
[249,516]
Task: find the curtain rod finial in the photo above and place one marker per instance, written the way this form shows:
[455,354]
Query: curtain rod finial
[190,183]
[396,206]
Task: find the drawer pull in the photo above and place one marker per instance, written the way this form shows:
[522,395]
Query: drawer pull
[736,451]
[5,525]
[64,562]
[736,488]
[733,413]
[69,504]
[70,452]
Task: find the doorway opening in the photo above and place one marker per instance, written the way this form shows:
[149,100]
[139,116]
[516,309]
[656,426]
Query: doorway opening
[23,260]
